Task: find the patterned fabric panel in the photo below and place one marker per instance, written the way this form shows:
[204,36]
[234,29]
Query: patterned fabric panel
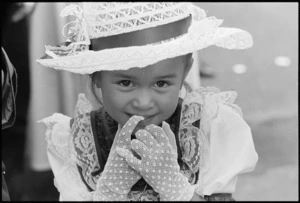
[104,128]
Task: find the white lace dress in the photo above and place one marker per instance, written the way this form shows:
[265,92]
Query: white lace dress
[220,149]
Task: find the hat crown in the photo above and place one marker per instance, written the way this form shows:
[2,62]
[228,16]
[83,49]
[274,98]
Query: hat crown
[106,19]
[89,48]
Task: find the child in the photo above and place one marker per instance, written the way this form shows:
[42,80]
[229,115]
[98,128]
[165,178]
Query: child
[148,141]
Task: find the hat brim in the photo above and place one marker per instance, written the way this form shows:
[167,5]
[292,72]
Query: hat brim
[201,34]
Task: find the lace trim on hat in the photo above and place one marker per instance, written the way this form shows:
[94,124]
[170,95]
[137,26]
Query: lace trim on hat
[140,56]
[111,19]
[107,19]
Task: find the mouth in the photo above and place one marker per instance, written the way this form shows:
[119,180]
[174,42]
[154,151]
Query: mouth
[148,119]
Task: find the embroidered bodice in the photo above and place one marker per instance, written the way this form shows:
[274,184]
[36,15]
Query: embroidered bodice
[209,132]
[104,128]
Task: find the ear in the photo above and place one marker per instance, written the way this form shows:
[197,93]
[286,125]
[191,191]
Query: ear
[97,93]
[97,79]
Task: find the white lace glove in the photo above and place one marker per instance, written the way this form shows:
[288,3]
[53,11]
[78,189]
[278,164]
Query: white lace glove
[117,177]
[158,164]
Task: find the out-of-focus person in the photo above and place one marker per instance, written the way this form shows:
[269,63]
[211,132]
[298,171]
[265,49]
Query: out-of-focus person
[15,43]
[9,88]
[23,32]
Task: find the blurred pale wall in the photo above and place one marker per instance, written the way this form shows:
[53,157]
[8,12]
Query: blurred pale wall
[267,93]
[51,91]
[265,89]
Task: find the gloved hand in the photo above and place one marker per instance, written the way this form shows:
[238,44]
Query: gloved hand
[158,164]
[117,177]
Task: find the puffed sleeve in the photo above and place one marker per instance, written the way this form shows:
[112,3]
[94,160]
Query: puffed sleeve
[231,150]
[63,160]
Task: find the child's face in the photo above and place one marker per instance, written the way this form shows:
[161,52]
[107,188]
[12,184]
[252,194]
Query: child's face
[150,92]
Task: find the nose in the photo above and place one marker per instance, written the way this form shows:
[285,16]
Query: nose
[143,100]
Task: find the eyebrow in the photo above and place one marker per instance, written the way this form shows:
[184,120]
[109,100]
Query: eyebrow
[122,75]
[170,76]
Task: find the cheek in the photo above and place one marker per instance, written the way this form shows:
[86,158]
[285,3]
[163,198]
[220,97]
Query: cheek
[168,104]
[111,100]
[115,104]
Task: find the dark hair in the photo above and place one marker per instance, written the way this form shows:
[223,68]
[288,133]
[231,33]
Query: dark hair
[94,77]
[188,58]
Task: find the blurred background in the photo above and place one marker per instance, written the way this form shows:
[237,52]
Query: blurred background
[265,77]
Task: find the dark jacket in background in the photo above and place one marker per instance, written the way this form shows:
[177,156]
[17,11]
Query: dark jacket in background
[9,87]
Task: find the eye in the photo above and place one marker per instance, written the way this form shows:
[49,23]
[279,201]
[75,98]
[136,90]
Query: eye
[125,83]
[162,84]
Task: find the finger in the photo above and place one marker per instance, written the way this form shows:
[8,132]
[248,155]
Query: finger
[127,129]
[166,128]
[158,133]
[145,137]
[140,148]
[132,161]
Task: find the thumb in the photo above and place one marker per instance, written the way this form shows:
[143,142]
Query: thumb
[131,160]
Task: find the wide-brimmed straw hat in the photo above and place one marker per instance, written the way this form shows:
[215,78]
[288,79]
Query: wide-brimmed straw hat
[123,35]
